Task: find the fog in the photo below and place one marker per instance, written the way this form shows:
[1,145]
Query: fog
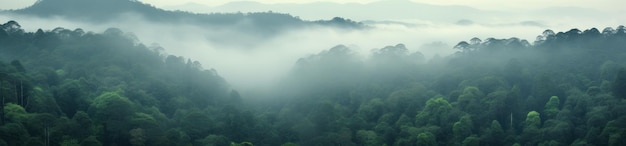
[251,62]
[134,74]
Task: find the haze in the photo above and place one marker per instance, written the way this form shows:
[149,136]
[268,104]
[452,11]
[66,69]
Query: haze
[349,73]
[264,60]
[605,5]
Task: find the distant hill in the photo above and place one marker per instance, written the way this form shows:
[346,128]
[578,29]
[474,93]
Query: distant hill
[405,11]
[402,10]
[97,11]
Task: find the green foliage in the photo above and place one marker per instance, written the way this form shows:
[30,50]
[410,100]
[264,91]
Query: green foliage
[462,129]
[137,137]
[550,143]
[15,113]
[426,139]
[619,84]
[608,70]
[289,144]
[90,141]
[196,124]
[552,107]
[614,132]
[33,141]
[408,101]
[241,144]
[469,101]
[616,139]
[368,138]
[557,131]
[533,119]
[214,140]
[532,133]
[435,112]
[69,87]
[13,133]
[84,124]
[494,135]
[404,120]
[471,141]
[372,110]
[70,142]
[114,111]
[579,142]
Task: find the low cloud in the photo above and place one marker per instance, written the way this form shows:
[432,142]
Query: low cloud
[250,62]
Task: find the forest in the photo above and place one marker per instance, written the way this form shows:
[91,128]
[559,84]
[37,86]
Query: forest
[76,87]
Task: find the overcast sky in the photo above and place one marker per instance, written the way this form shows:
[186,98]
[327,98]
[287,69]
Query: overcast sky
[606,5]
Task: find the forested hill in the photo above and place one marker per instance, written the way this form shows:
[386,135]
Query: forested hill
[565,88]
[71,87]
[99,11]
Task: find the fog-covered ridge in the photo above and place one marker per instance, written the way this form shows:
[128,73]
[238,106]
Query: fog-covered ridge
[100,11]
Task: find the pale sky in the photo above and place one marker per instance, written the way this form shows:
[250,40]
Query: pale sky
[606,5]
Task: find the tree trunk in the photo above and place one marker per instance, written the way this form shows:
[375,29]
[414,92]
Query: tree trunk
[17,98]
[511,119]
[22,95]
[45,132]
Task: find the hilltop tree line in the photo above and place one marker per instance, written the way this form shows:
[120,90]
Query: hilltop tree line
[565,88]
[113,11]
[71,87]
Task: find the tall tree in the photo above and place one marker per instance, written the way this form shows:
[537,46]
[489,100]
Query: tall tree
[552,107]
[619,84]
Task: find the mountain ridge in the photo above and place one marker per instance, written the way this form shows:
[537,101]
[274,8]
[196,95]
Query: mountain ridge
[406,10]
[98,11]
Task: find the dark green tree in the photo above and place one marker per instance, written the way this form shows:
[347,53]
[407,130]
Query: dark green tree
[619,84]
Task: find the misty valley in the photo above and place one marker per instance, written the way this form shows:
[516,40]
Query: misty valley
[124,72]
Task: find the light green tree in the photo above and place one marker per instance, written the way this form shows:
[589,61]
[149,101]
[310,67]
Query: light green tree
[435,112]
[552,107]
[531,134]
[469,101]
[533,119]
[113,111]
[462,129]
[15,113]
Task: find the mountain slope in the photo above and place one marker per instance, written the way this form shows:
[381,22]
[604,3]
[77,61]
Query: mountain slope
[69,80]
[98,11]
